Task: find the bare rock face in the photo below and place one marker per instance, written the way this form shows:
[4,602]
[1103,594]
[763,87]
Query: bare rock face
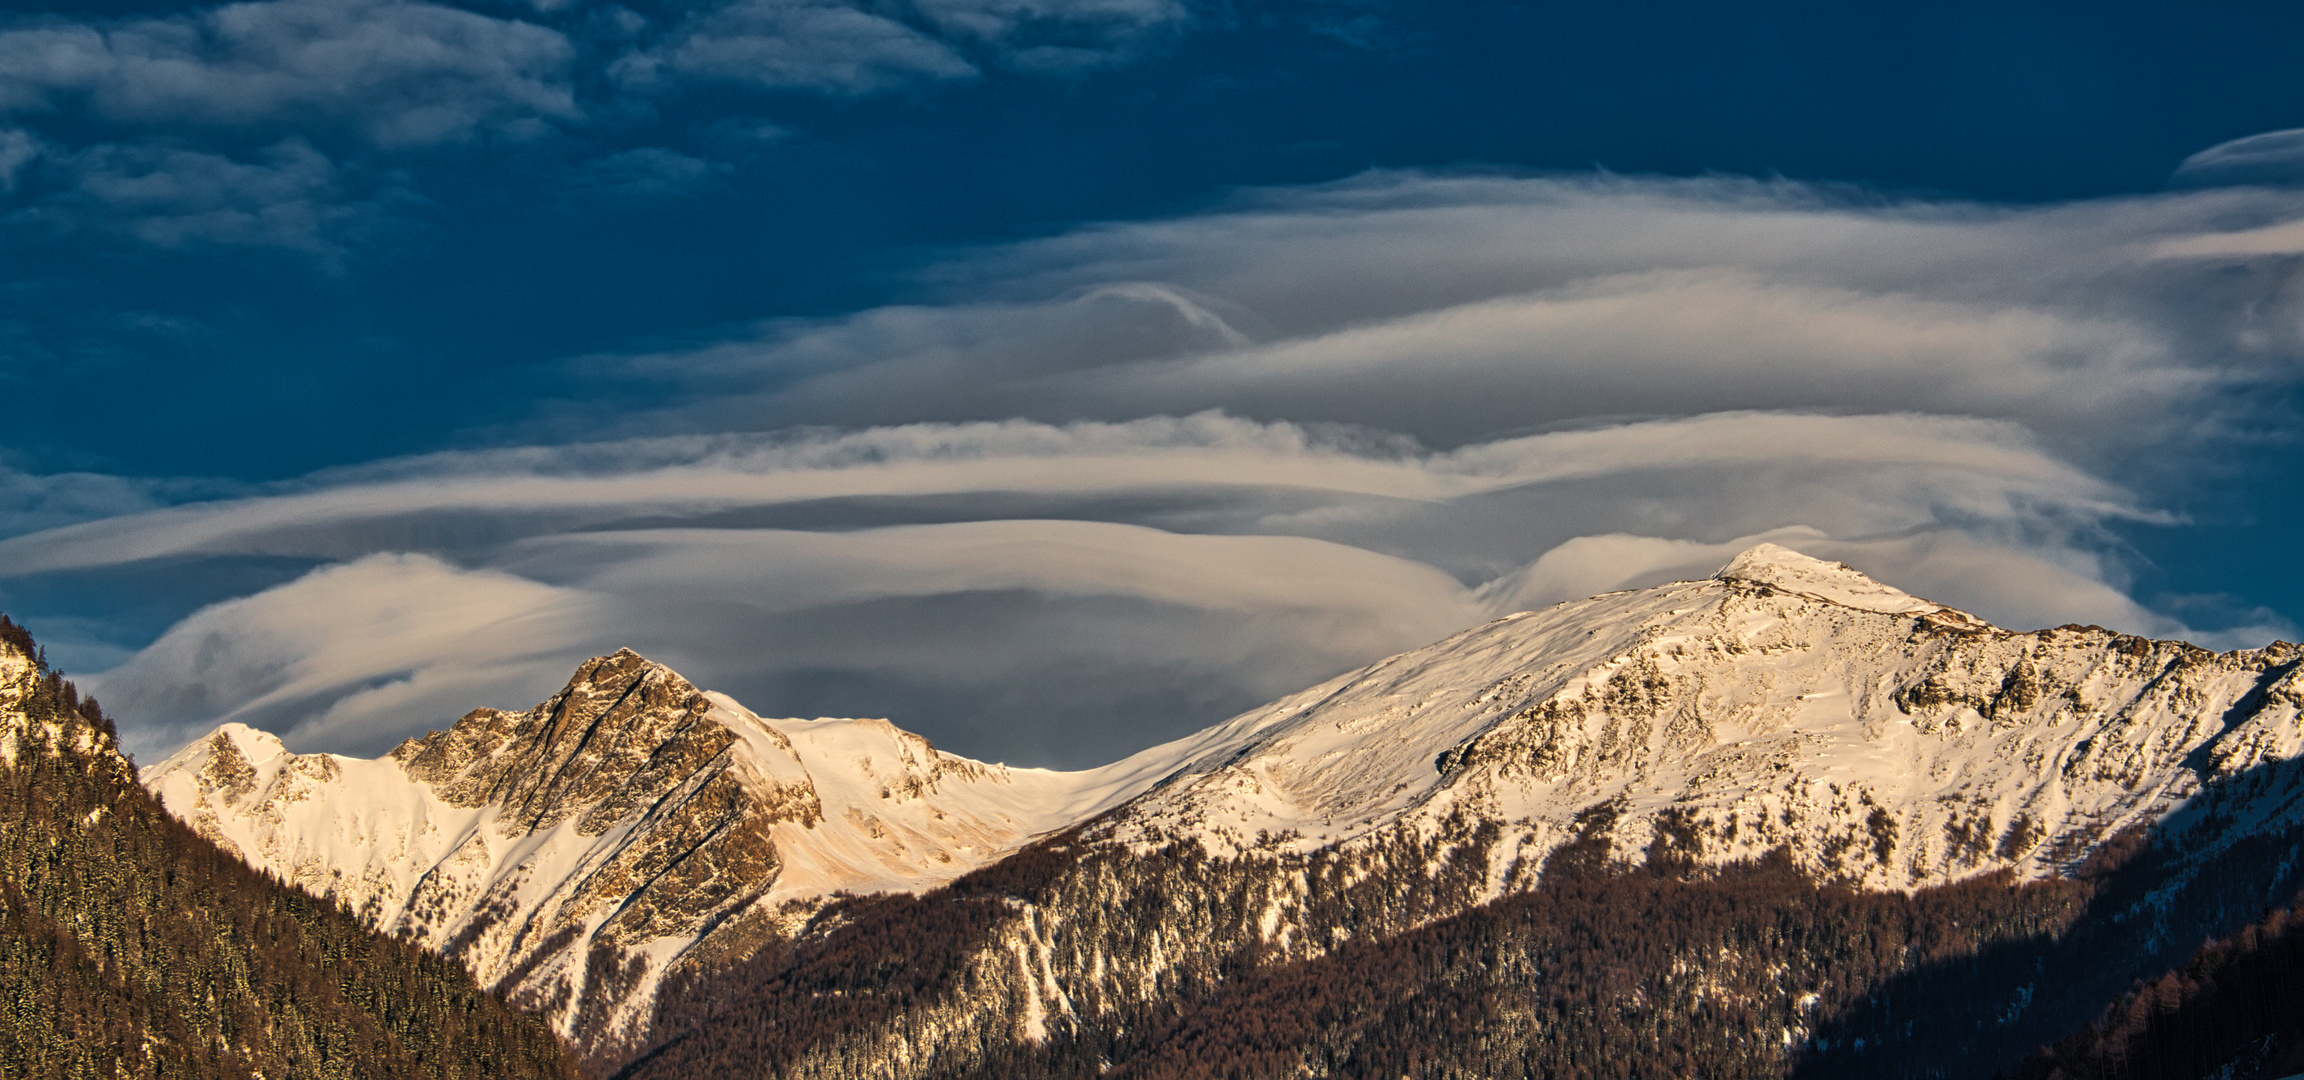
[1787,708]
[633,826]
[1786,704]
[628,758]
[575,855]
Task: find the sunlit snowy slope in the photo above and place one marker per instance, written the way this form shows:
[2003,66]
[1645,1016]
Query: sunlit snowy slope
[573,853]
[1785,702]
[579,852]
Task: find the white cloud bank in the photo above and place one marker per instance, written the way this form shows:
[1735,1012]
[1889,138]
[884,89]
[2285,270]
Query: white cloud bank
[1047,592]
[1101,489]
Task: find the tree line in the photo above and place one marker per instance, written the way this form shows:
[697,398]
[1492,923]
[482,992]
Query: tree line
[131,947]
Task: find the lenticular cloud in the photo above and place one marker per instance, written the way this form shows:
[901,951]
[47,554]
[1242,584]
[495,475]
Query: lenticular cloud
[1101,489]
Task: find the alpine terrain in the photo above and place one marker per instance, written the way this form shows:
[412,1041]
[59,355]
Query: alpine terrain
[1786,818]
[131,948]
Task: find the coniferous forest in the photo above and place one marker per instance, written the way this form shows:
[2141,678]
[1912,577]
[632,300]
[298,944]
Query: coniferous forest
[130,947]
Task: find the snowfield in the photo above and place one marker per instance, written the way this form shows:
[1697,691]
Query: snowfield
[577,854]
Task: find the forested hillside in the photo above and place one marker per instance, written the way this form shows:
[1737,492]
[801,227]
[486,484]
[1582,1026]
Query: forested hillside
[129,947]
[2235,1012]
[1610,969]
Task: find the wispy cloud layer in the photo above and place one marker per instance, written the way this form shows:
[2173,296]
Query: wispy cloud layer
[351,655]
[1029,589]
[2271,157]
[400,73]
[227,95]
[1450,307]
[287,196]
[791,44]
[1101,489]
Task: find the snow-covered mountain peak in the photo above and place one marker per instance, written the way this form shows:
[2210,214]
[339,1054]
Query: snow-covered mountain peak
[232,761]
[573,854]
[1782,568]
[256,746]
[1788,702]
[632,826]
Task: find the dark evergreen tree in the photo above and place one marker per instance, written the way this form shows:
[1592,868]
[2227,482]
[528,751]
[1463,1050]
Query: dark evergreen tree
[132,948]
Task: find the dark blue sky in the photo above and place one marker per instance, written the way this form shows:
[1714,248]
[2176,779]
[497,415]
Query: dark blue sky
[441,323]
[243,245]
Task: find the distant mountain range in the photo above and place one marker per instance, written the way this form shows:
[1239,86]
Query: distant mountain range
[685,888]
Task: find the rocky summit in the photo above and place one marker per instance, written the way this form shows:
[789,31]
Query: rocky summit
[575,854]
[643,861]
[131,949]
[1786,703]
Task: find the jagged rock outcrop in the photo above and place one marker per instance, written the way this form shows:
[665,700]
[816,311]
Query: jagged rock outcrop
[1881,739]
[132,948]
[1786,708]
[575,854]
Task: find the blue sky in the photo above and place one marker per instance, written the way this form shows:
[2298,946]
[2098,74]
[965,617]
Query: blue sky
[1053,376]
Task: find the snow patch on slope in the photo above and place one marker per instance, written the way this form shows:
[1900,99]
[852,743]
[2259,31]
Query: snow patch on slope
[898,814]
[1878,737]
[498,868]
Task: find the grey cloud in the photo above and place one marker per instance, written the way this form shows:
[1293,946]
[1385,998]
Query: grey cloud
[1498,392]
[1019,631]
[401,73]
[377,73]
[369,652]
[648,175]
[788,571]
[88,98]
[1058,36]
[33,503]
[997,20]
[290,197]
[1261,558]
[792,45]
[17,149]
[356,656]
[1673,342]
[2225,246]
[1052,642]
[1849,474]
[858,49]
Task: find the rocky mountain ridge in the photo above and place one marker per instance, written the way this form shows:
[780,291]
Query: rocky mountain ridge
[1881,739]
[131,948]
[635,830]
[575,854]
